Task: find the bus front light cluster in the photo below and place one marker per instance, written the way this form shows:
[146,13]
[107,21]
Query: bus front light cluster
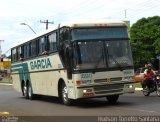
[129,86]
[78,82]
[87,92]
[158,77]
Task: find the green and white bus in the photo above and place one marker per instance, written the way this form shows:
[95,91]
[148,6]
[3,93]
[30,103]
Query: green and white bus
[74,61]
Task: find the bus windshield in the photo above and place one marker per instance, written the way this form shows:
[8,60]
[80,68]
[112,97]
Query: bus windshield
[89,55]
[102,54]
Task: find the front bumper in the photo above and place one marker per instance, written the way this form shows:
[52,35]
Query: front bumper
[100,90]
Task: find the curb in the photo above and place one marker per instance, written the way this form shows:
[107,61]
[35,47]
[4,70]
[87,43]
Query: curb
[138,89]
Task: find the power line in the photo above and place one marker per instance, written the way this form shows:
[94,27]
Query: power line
[87,8]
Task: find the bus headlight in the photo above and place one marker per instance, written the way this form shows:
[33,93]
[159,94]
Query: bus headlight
[157,77]
[129,86]
[87,93]
[87,90]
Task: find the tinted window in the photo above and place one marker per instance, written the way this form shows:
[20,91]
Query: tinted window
[14,55]
[33,48]
[26,51]
[52,42]
[42,45]
[19,52]
[64,35]
[99,33]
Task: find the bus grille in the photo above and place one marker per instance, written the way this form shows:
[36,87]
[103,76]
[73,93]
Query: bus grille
[106,80]
[116,79]
[108,89]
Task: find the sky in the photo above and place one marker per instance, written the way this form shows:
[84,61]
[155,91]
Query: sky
[14,12]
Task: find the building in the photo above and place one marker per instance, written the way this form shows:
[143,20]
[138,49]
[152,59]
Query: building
[5,68]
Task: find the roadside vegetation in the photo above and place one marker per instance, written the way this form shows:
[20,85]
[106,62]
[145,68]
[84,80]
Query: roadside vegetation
[138,85]
[6,81]
[145,41]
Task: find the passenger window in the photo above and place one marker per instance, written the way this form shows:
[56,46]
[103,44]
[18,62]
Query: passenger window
[20,53]
[26,51]
[14,55]
[33,48]
[42,45]
[52,42]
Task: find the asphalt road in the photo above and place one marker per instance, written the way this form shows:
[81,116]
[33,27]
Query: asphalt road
[128,105]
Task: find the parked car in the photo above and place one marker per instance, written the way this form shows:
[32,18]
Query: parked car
[139,74]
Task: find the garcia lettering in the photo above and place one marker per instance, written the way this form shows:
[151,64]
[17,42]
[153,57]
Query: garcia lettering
[40,64]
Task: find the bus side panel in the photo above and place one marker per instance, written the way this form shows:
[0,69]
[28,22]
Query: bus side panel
[52,83]
[45,83]
[45,74]
[69,83]
[16,82]
[17,76]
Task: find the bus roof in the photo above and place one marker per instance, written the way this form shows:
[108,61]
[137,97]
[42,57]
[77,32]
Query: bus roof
[94,24]
[72,25]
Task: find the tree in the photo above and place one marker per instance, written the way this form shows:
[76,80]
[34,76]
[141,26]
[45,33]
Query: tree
[3,56]
[145,40]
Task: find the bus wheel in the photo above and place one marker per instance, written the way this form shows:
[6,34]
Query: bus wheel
[64,95]
[112,99]
[25,91]
[30,92]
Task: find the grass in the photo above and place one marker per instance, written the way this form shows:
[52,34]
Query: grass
[138,85]
[6,81]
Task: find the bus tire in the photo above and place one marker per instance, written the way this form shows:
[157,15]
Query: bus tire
[22,88]
[158,89]
[25,91]
[30,92]
[64,95]
[112,99]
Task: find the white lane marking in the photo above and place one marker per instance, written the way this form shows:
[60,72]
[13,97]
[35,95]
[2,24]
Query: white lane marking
[6,84]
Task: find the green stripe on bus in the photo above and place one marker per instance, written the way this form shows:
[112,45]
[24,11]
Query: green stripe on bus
[21,68]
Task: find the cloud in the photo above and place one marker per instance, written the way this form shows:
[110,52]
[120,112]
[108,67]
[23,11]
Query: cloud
[14,12]
[36,8]
[7,33]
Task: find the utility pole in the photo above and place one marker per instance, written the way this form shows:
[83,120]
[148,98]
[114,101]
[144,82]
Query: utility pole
[46,22]
[1,49]
[125,13]
[127,21]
